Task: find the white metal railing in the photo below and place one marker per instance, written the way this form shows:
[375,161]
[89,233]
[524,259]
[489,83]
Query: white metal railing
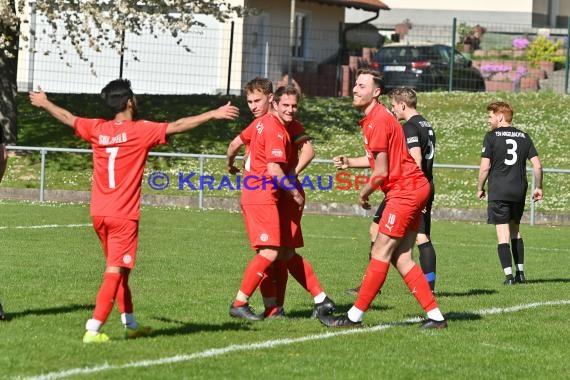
[203,157]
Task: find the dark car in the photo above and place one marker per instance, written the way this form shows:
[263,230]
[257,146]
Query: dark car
[425,67]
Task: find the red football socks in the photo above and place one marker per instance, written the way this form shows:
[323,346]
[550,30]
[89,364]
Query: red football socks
[303,272]
[281,277]
[418,285]
[372,282]
[253,274]
[106,296]
[124,298]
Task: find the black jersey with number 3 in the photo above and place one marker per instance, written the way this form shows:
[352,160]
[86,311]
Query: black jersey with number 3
[508,148]
[419,133]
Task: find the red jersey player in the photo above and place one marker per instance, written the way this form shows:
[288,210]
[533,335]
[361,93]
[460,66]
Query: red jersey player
[268,182]
[406,193]
[120,148]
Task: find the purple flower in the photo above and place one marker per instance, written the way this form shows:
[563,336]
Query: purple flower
[520,43]
[489,70]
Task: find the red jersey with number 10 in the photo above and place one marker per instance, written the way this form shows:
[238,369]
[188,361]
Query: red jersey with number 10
[120,149]
[383,133]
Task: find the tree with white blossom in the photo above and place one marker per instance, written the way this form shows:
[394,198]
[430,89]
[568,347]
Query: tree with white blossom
[91,24]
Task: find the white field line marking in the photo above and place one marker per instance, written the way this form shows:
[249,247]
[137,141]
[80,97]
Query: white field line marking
[45,226]
[267,344]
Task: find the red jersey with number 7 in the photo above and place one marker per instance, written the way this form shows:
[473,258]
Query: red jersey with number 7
[120,149]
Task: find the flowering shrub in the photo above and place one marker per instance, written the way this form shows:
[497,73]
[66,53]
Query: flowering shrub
[521,72]
[490,70]
[520,43]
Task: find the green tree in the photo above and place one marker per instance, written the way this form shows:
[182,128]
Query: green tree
[94,24]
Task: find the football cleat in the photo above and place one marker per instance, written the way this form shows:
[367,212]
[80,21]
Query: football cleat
[519,278]
[323,308]
[432,324]
[244,312]
[139,332]
[275,312]
[509,281]
[338,321]
[97,338]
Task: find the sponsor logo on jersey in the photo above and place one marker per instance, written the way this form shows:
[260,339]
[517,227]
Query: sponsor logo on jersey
[413,139]
[277,153]
[108,140]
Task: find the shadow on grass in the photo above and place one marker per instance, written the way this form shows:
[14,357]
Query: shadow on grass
[340,308]
[48,311]
[547,280]
[185,328]
[469,293]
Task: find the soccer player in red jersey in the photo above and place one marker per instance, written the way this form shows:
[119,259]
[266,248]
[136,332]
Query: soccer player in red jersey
[406,190]
[271,158]
[120,148]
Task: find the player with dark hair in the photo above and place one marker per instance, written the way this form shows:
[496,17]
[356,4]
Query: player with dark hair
[406,191]
[120,148]
[503,161]
[269,167]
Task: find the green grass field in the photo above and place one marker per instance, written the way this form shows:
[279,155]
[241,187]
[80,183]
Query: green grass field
[189,268]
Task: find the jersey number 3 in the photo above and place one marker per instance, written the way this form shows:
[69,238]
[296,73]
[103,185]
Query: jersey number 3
[511,158]
[111,165]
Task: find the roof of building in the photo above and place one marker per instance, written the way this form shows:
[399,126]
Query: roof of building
[367,5]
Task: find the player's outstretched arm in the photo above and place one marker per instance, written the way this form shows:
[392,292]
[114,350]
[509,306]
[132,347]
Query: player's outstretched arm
[227,111]
[40,99]
[344,162]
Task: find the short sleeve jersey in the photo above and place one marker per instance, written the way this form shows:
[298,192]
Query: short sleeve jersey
[383,133]
[419,134]
[120,149]
[298,136]
[269,143]
[508,149]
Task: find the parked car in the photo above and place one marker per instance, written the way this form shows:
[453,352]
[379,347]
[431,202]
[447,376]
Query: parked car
[425,67]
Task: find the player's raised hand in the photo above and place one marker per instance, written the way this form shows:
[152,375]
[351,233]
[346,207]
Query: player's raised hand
[340,162]
[38,98]
[226,111]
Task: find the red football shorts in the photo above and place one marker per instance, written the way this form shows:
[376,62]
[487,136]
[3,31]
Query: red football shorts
[290,221]
[262,225]
[119,238]
[403,211]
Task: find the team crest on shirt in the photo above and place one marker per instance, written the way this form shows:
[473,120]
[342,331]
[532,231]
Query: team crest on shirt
[264,237]
[127,259]
[259,127]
